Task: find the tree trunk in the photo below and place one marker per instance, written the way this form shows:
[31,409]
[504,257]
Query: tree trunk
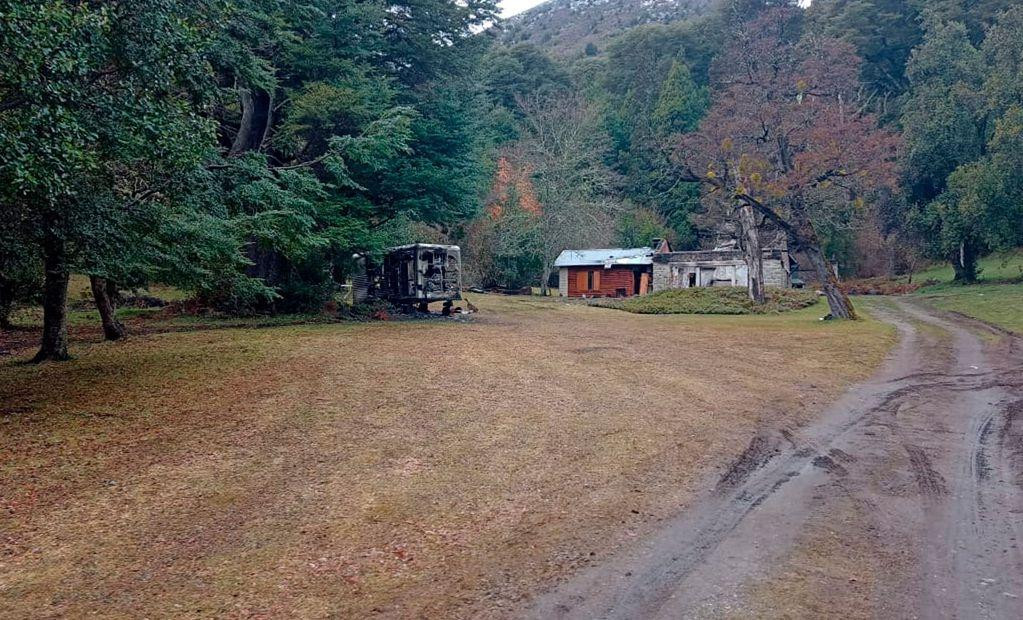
[544,288]
[103,291]
[268,265]
[891,243]
[804,237]
[257,116]
[838,301]
[753,254]
[965,264]
[6,302]
[55,262]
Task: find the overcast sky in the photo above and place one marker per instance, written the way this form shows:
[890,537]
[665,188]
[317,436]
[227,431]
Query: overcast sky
[511,7]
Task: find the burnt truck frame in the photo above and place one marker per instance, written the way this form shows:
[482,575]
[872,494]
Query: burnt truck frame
[415,275]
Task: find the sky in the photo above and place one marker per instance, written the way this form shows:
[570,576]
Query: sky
[511,7]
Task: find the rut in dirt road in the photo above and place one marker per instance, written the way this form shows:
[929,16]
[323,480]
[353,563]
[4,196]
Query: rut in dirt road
[921,467]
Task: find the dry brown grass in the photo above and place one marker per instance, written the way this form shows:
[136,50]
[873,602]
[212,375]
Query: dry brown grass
[407,469]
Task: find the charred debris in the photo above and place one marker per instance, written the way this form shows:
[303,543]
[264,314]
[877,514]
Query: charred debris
[411,277]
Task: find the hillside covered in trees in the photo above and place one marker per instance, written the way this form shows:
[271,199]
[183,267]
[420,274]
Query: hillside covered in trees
[570,27]
[243,151]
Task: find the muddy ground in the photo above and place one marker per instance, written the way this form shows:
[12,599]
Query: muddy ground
[904,499]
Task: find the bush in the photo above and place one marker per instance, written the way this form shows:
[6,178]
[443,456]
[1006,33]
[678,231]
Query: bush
[712,300]
[370,310]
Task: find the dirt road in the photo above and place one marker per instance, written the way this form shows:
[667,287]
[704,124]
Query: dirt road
[904,499]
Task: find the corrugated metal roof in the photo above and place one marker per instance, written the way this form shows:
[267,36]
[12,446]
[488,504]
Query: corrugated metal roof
[605,257]
[430,246]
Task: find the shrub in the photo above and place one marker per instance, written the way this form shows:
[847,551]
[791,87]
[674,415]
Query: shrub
[711,300]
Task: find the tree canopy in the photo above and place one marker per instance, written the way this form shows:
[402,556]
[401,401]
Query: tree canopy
[244,150]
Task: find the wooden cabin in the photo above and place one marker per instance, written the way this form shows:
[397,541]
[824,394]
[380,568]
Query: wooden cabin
[613,272]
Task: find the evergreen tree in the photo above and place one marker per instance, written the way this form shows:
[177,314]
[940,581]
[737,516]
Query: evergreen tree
[350,120]
[884,33]
[963,132]
[943,118]
[101,116]
[681,103]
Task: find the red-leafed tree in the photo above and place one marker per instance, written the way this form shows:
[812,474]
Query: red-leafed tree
[787,141]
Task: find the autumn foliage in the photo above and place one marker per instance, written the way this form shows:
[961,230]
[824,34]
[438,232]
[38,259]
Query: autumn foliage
[513,186]
[789,136]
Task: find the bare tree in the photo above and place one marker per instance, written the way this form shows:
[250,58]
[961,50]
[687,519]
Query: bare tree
[561,149]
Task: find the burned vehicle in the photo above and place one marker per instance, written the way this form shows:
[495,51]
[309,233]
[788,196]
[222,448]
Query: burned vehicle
[414,275]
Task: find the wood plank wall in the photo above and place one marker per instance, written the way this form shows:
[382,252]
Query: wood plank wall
[606,282]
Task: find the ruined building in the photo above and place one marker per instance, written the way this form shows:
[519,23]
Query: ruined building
[616,272]
[722,266]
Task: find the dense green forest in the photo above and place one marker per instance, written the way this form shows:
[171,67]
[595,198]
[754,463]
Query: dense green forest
[244,150]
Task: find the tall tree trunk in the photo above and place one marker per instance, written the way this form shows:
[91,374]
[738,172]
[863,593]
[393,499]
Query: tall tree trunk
[839,303]
[965,264]
[103,291]
[753,253]
[807,241]
[55,263]
[890,246]
[253,130]
[6,302]
[544,288]
[257,117]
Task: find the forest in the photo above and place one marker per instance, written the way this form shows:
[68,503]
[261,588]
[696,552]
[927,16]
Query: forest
[244,150]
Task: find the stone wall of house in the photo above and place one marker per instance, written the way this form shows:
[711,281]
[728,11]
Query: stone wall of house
[563,282]
[775,274]
[662,277]
[713,268]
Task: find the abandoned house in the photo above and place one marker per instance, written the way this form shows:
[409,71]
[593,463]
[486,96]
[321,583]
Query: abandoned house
[604,273]
[638,271]
[415,274]
[724,265]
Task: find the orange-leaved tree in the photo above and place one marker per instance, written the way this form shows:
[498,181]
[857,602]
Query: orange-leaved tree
[788,139]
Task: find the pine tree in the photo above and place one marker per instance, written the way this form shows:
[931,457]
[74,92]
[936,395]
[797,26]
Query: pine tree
[681,103]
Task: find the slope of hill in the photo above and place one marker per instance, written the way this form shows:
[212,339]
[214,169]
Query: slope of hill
[567,27]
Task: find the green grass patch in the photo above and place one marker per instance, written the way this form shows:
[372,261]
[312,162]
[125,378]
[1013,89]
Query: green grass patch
[712,300]
[1002,267]
[998,304]
[996,299]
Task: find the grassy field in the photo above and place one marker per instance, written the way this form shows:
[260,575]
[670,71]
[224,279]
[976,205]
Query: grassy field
[998,299]
[1005,267]
[416,469]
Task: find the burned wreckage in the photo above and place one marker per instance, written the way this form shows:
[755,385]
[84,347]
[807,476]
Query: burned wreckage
[411,276]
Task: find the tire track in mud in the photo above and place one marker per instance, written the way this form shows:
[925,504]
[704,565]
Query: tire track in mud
[981,463]
[741,529]
[931,483]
